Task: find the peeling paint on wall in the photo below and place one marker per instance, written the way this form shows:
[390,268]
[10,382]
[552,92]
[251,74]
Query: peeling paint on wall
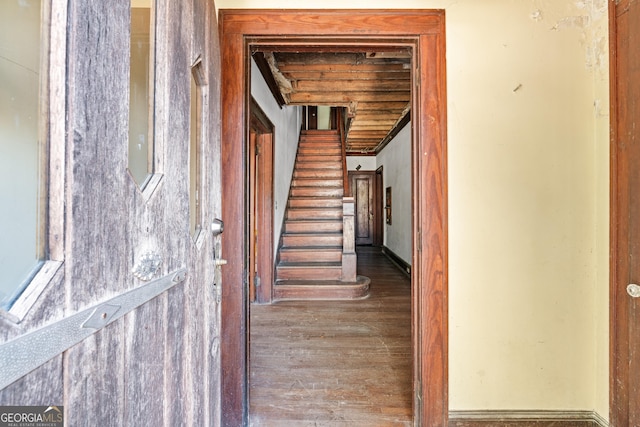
[537,15]
[571,22]
[591,19]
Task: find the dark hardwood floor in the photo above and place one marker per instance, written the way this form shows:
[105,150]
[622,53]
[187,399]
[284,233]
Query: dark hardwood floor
[335,363]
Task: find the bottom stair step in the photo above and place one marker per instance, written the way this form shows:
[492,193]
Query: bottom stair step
[321,289]
[309,271]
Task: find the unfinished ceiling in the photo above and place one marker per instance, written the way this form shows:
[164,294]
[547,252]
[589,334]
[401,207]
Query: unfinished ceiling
[375,87]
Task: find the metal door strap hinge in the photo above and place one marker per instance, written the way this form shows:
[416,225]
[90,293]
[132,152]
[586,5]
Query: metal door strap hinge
[25,353]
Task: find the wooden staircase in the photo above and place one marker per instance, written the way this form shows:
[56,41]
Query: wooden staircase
[311,259]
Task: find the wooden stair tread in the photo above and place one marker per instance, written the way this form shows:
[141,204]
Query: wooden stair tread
[309,264]
[312,248]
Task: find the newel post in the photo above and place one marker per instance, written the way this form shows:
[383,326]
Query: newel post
[349,259]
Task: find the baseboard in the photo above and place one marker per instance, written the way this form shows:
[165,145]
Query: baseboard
[526,419]
[399,262]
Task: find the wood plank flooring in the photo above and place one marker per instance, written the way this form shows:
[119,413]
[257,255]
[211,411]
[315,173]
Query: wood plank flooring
[335,363]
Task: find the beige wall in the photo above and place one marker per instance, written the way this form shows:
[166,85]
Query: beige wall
[528,199]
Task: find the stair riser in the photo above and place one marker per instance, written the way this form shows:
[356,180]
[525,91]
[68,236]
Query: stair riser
[320,151]
[321,174]
[317,192]
[315,203]
[311,256]
[329,161]
[311,273]
[335,143]
[307,226]
[307,240]
[314,214]
[312,182]
[316,164]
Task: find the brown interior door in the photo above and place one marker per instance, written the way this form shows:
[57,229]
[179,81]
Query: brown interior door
[362,184]
[253,233]
[625,215]
[312,117]
[260,164]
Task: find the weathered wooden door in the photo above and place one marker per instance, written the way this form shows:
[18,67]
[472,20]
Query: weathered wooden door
[625,215]
[141,171]
[362,187]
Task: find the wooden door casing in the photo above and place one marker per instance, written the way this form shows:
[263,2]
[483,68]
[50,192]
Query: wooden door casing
[625,212]
[422,31]
[159,364]
[378,232]
[261,152]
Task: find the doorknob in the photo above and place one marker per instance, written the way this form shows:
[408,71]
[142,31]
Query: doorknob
[633,290]
[217,227]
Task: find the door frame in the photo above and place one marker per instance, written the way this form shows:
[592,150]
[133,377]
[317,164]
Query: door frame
[619,316]
[263,209]
[423,31]
[378,201]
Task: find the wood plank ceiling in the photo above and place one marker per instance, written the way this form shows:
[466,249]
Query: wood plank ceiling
[375,87]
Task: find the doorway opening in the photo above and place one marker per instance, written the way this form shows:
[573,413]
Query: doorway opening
[423,33]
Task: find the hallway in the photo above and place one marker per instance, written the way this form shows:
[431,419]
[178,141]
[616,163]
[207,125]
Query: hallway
[335,363]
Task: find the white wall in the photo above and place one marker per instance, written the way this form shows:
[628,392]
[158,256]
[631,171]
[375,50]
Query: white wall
[287,121]
[395,160]
[367,163]
[527,95]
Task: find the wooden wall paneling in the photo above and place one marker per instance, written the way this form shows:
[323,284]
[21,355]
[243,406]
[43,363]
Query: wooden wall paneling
[429,284]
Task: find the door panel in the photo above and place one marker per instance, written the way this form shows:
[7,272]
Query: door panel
[625,216]
[362,184]
[159,364]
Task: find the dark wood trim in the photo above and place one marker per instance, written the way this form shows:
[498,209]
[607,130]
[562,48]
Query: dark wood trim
[267,75]
[616,411]
[264,187]
[430,261]
[526,419]
[402,265]
[233,323]
[378,206]
[423,31]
